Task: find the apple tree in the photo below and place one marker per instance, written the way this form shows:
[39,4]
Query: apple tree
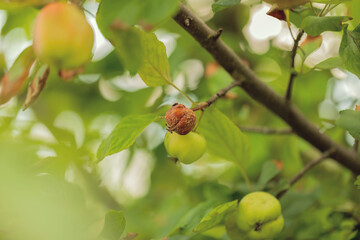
[179,120]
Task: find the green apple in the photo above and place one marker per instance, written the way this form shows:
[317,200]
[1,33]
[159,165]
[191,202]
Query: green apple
[186,148]
[62,36]
[259,216]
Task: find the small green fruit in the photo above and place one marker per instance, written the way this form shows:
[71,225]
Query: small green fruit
[186,148]
[259,216]
[62,36]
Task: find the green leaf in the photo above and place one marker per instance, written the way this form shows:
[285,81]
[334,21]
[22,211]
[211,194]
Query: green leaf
[224,138]
[128,47]
[38,81]
[350,120]
[215,216]
[357,182]
[124,134]
[114,225]
[330,63]
[109,66]
[223,4]
[130,13]
[350,50]
[155,70]
[298,17]
[20,17]
[280,186]
[232,229]
[293,204]
[156,11]
[20,3]
[269,170]
[113,12]
[309,46]
[314,26]
[116,20]
[192,218]
[14,79]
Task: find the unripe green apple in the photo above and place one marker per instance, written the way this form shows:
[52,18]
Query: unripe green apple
[259,216]
[62,36]
[186,148]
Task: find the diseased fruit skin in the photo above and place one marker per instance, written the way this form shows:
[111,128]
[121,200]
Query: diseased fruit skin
[180,119]
[259,216]
[186,148]
[62,36]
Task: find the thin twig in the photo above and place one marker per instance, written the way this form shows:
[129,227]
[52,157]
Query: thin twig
[323,10]
[293,72]
[266,130]
[331,8]
[309,166]
[313,9]
[291,33]
[216,96]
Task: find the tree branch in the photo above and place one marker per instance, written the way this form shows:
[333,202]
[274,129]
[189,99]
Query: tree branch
[293,72]
[262,93]
[309,166]
[356,145]
[216,96]
[266,130]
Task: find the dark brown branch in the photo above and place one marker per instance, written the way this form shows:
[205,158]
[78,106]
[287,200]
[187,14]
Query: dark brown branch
[216,35]
[356,145]
[309,166]
[262,93]
[216,96]
[266,130]
[293,72]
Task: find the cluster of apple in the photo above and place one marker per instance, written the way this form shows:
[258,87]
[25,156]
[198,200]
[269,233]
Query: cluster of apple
[181,142]
[62,36]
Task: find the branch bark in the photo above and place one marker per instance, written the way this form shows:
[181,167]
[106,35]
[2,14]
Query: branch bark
[356,145]
[266,130]
[262,93]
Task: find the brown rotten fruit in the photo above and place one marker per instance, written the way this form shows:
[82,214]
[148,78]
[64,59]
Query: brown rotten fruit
[62,36]
[180,119]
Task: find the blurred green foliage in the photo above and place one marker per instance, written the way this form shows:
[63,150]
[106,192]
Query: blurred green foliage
[53,187]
